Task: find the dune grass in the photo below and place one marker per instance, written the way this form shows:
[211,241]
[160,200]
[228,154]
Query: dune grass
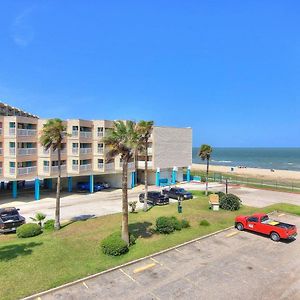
[35,264]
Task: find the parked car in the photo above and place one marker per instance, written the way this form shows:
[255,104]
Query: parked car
[85,186]
[261,223]
[20,184]
[177,193]
[10,219]
[105,185]
[154,198]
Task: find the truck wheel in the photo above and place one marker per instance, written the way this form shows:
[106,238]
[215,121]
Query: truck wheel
[275,237]
[240,226]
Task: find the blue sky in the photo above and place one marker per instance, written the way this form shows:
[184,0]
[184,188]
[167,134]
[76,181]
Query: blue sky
[229,69]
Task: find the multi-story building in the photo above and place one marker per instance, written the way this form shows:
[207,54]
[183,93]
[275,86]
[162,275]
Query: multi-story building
[83,157]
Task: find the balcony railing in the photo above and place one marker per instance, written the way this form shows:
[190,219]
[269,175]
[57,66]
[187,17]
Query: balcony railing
[75,151]
[1,151]
[12,151]
[46,169]
[86,134]
[149,151]
[100,165]
[75,168]
[0,131]
[109,166]
[85,150]
[0,170]
[86,167]
[100,150]
[27,132]
[141,164]
[12,131]
[26,151]
[47,152]
[75,133]
[131,165]
[54,169]
[100,134]
[26,170]
[12,170]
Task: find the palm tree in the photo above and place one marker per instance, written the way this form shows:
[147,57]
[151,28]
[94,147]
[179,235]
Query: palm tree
[39,218]
[52,136]
[205,153]
[123,140]
[144,129]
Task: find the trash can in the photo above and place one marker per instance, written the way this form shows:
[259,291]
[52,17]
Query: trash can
[179,207]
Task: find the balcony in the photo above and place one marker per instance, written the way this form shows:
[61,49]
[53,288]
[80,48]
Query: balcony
[131,166]
[12,151]
[26,170]
[75,133]
[27,132]
[109,166]
[12,170]
[26,151]
[86,167]
[54,169]
[100,134]
[47,152]
[1,151]
[141,164]
[12,131]
[149,151]
[75,151]
[100,166]
[86,134]
[1,170]
[85,150]
[100,151]
[0,131]
[75,168]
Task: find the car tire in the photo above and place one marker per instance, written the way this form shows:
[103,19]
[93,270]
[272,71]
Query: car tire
[239,226]
[275,237]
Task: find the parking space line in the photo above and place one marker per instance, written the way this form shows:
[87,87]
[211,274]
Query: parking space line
[121,270]
[156,261]
[178,250]
[280,215]
[232,234]
[85,284]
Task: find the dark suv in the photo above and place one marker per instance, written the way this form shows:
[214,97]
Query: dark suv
[10,219]
[155,198]
[178,193]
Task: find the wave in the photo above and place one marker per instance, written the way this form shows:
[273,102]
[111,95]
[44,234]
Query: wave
[222,161]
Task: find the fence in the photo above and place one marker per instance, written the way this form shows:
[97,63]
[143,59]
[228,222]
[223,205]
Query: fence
[284,185]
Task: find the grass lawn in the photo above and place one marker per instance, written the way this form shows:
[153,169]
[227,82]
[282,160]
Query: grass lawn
[53,258]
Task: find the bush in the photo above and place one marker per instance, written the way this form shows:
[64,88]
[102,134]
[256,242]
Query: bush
[49,224]
[230,202]
[114,245]
[204,223]
[167,224]
[132,239]
[28,230]
[185,223]
[221,195]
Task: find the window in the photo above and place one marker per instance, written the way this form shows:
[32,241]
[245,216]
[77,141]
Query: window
[12,144]
[12,125]
[46,163]
[252,219]
[75,162]
[12,164]
[75,128]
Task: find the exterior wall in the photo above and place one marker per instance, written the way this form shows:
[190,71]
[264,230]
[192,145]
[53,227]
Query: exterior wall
[172,147]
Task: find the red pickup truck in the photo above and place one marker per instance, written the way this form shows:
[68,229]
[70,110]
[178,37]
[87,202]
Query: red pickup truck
[263,224]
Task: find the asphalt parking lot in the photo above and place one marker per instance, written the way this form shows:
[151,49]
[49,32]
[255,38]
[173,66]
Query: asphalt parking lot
[227,265]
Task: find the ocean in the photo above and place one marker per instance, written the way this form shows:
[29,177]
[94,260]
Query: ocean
[263,158]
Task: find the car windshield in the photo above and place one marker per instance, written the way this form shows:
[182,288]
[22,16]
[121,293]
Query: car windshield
[181,190]
[265,219]
[8,212]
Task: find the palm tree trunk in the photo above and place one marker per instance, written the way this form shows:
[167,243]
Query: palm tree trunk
[57,207]
[207,167]
[125,232]
[146,176]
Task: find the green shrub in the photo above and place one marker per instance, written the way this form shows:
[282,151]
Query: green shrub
[49,224]
[114,245]
[230,202]
[132,239]
[204,223]
[185,223]
[28,230]
[164,225]
[176,223]
[221,195]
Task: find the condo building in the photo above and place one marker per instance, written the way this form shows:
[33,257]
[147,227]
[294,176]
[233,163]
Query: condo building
[83,157]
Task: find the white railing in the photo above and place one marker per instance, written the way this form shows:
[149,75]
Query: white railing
[74,133]
[26,151]
[0,170]
[46,169]
[149,151]
[141,164]
[109,166]
[0,130]
[131,165]
[86,134]
[26,170]
[26,132]
[55,168]
[46,152]
[86,167]
[12,131]
[100,165]
[1,151]
[74,150]
[85,150]
[75,168]
[100,150]
[100,134]
[12,170]
[12,151]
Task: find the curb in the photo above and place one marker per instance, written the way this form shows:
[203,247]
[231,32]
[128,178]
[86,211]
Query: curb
[124,265]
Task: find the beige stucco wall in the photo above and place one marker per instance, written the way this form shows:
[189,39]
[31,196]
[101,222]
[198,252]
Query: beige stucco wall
[172,147]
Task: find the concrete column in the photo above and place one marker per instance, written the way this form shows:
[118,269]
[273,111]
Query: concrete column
[37,189]
[188,174]
[174,175]
[14,189]
[132,180]
[2,185]
[157,176]
[49,183]
[91,183]
[70,184]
